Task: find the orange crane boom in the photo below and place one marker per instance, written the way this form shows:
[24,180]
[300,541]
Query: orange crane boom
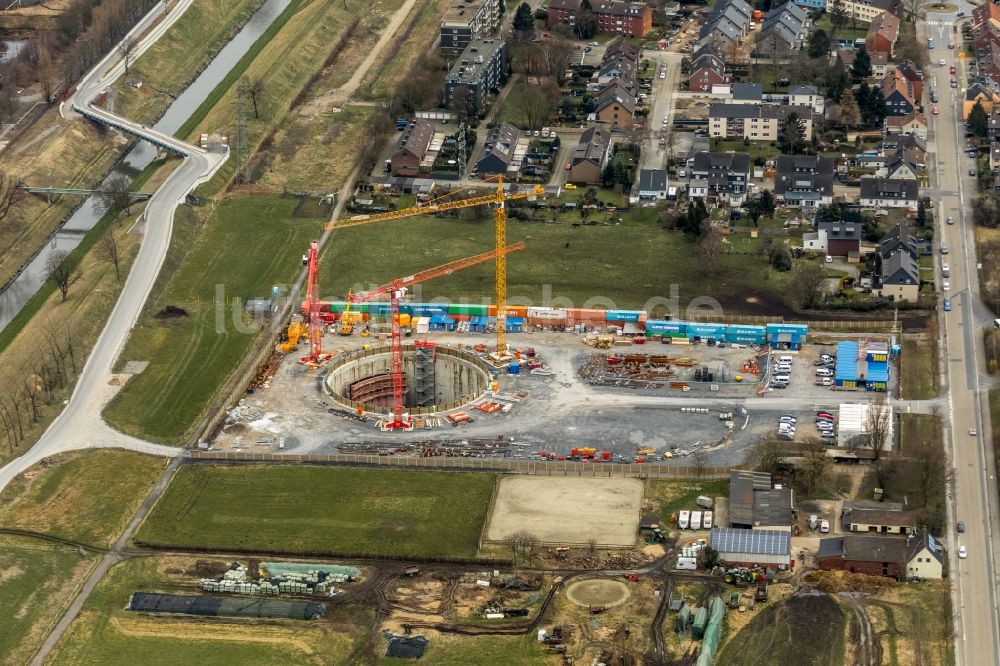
[396,289]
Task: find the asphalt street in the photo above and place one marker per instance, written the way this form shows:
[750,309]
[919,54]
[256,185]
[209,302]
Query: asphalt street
[974,501]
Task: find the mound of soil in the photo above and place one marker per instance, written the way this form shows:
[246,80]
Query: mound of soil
[842,581]
[172,312]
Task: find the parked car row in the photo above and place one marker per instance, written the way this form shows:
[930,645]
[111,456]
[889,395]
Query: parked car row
[825,366]
[826,425]
[781,372]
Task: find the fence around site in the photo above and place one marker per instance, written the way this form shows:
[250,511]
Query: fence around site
[536,468]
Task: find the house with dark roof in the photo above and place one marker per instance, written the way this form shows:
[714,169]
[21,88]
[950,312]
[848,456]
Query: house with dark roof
[924,556]
[842,239]
[754,504]
[913,77]
[498,151]
[724,176]
[409,156]
[888,193]
[746,93]
[783,31]
[615,105]
[900,278]
[652,184]
[707,68]
[913,145]
[806,95]
[882,34]
[898,239]
[476,73]
[898,166]
[590,156]
[804,180]
[465,20]
[726,25]
[881,517]
[874,556]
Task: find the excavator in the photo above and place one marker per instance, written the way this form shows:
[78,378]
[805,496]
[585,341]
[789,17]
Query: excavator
[296,329]
[346,319]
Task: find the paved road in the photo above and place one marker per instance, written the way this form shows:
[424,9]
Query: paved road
[974,578]
[654,155]
[80,425]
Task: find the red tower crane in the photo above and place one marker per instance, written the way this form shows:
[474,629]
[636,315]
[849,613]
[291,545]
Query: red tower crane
[312,305]
[396,289]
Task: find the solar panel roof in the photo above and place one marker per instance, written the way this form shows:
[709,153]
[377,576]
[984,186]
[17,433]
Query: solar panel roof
[751,542]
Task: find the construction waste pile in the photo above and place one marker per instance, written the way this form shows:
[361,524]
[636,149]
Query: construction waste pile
[312,582]
[624,560]
[647,371]
[244,413]
[842,581]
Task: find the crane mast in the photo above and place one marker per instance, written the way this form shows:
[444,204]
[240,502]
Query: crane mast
[396,289]
[312,299]
[500,222]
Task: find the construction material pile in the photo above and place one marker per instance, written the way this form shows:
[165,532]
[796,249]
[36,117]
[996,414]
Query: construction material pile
[313,582]
[631,370]
[245,412]
[465,448]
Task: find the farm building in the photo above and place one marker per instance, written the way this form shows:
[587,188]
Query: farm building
[766,548]
[881,517]
[856,370]
[852,429]
[911,557]
[754,504]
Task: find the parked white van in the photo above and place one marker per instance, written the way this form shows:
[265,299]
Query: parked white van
[824,372]
[704,501]
[780,379]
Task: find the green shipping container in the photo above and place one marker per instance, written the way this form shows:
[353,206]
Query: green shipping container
[469,309]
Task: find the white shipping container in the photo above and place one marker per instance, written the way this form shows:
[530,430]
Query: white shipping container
[547,313]
[696,520]
[687,563]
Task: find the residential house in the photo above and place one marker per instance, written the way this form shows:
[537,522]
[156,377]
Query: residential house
[897,165]
[409,158]
[771,549]
[755,504]
[982,94]
[498,153]
[652,184]
[898,240]
[843,239]
[620,68]
[590,156]
[900,278]
[899,98]
[722,175]
[913,77]
[757,122]
[880,63]
[804,180]
[874,556]
[726,26]
[746,93]
[886,193]
[812,4]
[867,10]
[631,19]
[802,95]
[924,557]
[465,20]
[783,31]
[881,517]
[993,126]
[479,71]
[707,69]
[615,105]
[913,122]
[882,34]
[912,145]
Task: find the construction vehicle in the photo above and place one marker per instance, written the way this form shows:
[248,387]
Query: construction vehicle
[605,341]
[316,356]
[396,290]
[347,319]
[296,329]
[497,201]
[761,590]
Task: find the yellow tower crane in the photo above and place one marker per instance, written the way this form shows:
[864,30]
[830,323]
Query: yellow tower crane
[496,200]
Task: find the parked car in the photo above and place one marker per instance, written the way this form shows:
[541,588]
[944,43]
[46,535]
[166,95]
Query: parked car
[962,553]
[824,526]
[947,305]
[944,249]
[825,381]
[946,285]
[951,220]
[824,415]
[824,372]
[972,172]
[960,527]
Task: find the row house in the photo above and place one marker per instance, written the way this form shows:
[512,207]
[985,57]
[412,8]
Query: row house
[725,176]
[706,69]
[756,122]
[630,19]
[726,25]
[783,31]
[804,180]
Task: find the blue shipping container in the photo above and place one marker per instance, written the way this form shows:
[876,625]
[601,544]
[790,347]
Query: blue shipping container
[657,327]
[717,331]
[623,315]
[795,329]
[428,310]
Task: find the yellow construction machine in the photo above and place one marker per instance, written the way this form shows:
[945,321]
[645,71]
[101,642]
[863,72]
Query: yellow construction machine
[346,318]
[296,329]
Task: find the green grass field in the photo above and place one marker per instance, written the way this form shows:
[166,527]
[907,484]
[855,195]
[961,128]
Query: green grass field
[87,497]
[918,375]
[316,509]
[610,266]
[105,633]
[36,579]
[173,61]
[673,496]
[245,246]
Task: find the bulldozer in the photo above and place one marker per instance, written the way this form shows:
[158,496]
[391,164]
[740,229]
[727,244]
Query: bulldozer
[605,341]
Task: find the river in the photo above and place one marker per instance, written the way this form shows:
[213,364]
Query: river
[27,283]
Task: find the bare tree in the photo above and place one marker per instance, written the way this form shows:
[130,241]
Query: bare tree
[115,194]
[255,89]
[62,270]
[878,425]
[809,282]
[700,458]
[815,468]
[766,454]
[710,247]
[127,48]
[8,190]
[107,250]
[592,548]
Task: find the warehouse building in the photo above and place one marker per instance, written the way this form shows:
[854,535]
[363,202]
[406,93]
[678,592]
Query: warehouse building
[766,548]
[755,504]
[852,427]
[868,370]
